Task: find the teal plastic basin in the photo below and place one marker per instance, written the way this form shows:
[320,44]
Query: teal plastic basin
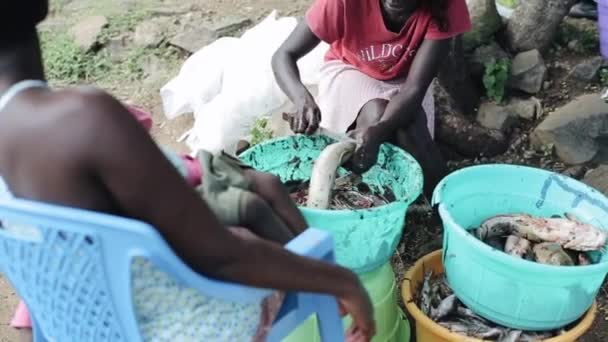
[365,239]
[513,292]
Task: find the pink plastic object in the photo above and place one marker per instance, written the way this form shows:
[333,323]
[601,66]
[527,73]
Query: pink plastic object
[142,116]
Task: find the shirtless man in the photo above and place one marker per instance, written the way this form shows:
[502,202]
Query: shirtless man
[80,147]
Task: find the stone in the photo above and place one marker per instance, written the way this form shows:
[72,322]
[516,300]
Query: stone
[504,117]
[493,116]
[529,109]
[229,26]
[118,48]
[528,72]
[194,38]
[486,22]
[482,56]
[150,33]
[587,70]
[86,32]
[598,179]
[578,131]
[154,69]
[576,172]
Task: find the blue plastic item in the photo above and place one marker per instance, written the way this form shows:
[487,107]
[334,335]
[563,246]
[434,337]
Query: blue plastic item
[72,269]
[367,238]
[514,292]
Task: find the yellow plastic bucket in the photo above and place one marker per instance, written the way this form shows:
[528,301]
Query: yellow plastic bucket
[429,331]
[391,323]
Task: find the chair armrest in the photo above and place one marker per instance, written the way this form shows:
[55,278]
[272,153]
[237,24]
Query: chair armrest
[313,243]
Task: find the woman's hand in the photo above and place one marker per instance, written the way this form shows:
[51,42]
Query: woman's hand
[357,303]
[369,140]
[307,118]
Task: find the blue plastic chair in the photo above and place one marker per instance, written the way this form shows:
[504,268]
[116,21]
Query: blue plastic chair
[72,269]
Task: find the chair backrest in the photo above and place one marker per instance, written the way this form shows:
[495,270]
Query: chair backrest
[72,269]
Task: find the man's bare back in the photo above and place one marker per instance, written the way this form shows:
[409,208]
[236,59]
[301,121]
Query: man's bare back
[44,156]
[80,147]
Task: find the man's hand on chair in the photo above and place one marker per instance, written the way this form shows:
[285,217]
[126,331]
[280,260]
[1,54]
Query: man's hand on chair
[356,302]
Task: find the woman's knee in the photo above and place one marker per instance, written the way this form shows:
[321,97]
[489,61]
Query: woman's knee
[371,112]
[267,185]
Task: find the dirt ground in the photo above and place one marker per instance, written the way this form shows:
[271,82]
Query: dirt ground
[143,89]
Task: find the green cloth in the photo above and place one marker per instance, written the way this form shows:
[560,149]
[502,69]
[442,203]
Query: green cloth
[224,186]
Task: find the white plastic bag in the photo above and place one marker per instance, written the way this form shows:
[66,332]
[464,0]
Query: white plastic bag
[199,79]
[248,87]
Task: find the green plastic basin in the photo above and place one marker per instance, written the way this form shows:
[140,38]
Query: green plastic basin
[365,239]
[515,292]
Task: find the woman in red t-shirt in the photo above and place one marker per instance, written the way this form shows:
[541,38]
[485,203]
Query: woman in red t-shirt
[376,79]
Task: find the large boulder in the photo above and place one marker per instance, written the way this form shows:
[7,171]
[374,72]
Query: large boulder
[486,22]
[578,131]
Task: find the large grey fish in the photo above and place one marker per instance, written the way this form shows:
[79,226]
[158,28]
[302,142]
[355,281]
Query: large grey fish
[569,232]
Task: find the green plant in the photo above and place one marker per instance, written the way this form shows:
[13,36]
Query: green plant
[65,62]
[120,24]
[495,78]
[261,131]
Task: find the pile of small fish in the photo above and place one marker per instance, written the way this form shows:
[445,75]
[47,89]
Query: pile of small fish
[437,301]
[560,241]
[349,193]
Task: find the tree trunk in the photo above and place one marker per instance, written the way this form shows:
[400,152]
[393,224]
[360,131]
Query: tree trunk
[534,24]
[454,78]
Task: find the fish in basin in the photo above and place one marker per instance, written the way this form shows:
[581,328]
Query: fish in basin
[568,231]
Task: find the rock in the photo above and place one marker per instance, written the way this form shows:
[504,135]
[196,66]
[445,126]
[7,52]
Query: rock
[598,179]
[587,70]
[486,21]
[493,116]
[150,33]
[577,130]
[193,38]
[503,118]
[484,55]
[526,109]
[229,26]
[86,32]
[118,48]
[528,72]
[577,172]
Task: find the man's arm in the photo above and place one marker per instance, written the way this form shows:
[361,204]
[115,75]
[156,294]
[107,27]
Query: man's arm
[402,108]
[147,187]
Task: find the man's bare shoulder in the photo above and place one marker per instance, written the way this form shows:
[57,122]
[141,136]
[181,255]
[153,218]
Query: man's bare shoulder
[91,118]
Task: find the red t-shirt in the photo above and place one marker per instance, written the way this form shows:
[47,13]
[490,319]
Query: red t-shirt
[356,32]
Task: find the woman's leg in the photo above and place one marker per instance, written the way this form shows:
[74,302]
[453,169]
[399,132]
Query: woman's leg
[258,216]
[270,188]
